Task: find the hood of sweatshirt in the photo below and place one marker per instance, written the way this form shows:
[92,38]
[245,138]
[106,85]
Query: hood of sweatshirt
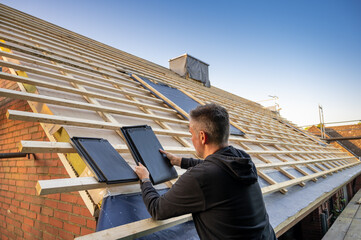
[236,163]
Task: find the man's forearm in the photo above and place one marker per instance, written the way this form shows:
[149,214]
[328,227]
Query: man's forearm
[184,197]
[189,162]
[150,198]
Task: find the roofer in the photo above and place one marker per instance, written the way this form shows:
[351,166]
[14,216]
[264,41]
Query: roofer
[221,191]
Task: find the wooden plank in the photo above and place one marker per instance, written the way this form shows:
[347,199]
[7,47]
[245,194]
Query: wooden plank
[45,118]
[74,44]
[79,92]
[44,187]
[305,173]
[93,53]
[136,229]
[87,83]
[52,41]
[269,130]
[94,56]
[52,56]
[82,50]
[271,181]
[42,147]
[76,184]
[64,147]
[291,152]
[59,49]
[63,69]
[276,187]
[88,106]
[287,123]
[45,147]
[289,175]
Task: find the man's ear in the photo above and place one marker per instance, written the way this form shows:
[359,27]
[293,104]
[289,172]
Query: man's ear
[203,137]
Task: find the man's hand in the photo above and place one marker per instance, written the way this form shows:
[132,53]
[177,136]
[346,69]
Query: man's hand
[141,171]
[174,160]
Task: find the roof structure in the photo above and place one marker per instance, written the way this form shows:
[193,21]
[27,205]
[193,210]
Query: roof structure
[76,86]
[348,135]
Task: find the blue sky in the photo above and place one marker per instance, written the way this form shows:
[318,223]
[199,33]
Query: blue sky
[305,52]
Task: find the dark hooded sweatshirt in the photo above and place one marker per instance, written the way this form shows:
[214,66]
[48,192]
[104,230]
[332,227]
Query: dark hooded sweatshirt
[221,192]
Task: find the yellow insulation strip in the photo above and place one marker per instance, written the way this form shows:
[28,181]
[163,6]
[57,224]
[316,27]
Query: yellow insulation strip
[4,49]
[29,88]
[75,160]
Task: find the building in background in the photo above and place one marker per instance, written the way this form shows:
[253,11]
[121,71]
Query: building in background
[346,137]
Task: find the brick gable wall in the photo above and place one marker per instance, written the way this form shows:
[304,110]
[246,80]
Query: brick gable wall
[23,214]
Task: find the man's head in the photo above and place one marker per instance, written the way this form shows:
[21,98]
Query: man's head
[209,125]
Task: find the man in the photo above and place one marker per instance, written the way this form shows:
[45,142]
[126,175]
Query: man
[221,191]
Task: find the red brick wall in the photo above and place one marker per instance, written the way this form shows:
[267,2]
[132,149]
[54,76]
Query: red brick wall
[357,183]
[23,215]
[311,225]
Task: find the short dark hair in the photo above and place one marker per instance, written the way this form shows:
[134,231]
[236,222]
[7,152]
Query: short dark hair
[214,120]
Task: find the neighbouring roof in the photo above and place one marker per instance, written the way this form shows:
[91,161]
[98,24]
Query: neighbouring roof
[352,146]
[79,87]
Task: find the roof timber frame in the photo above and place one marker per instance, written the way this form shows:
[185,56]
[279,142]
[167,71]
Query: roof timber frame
[142,107]
[38,43]
[90,94]
[77,91]
[79,105]
[256,133]
[45,187]
[47,118]
[62,147]
[58,76]
[160,123]
[80,48]
[84,45]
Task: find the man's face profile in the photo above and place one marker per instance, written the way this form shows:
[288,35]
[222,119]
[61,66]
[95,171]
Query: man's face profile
[196,138]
